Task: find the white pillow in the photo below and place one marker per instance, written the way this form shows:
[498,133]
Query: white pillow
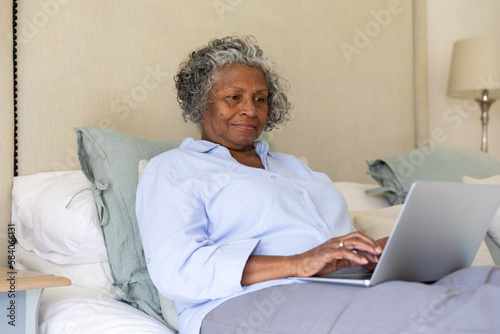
[494,230]
[48,226]
[93,276]
[354,194]
[379,223]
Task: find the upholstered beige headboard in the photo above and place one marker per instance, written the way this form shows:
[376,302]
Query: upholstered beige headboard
[356,70]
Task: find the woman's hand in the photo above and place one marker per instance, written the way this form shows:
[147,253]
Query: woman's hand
[381,243]
[358,249]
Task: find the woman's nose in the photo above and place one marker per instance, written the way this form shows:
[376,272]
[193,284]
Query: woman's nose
[248,107]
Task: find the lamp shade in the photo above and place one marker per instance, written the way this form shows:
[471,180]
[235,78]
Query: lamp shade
[475,66]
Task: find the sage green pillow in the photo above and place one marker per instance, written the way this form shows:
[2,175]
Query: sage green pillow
[109,159]
[396,173]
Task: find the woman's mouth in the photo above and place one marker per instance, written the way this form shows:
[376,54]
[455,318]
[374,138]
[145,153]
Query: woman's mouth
[245,127]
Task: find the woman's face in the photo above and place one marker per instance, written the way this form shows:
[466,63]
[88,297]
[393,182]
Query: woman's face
[237,108]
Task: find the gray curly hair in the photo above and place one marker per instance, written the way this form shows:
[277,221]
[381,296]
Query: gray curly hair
[197,73]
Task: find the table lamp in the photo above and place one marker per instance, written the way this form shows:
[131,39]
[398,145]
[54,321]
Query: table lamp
[475,74]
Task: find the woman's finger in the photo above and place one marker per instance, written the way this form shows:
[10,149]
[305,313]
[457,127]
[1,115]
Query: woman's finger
[357,242]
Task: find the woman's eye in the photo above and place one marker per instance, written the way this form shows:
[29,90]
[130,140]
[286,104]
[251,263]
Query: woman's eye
[233,97]
[260,99]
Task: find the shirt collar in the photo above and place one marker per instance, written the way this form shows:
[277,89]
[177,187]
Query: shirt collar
[262,148]
[204,146]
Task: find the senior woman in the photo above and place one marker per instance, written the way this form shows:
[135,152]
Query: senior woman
[225,223]
[222,217]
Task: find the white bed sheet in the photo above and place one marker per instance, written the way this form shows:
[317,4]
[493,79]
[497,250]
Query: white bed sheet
[76,310]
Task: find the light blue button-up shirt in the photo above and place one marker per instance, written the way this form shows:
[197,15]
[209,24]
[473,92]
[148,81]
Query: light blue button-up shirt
[201,215]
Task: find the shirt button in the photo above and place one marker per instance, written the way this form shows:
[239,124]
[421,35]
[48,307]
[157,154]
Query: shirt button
[273,176]
[321,225]
[301,191]
[148,260]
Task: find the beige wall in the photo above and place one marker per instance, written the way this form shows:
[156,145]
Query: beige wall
[457,121]
[6,123]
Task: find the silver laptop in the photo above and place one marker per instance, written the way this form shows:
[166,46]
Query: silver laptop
[438,231]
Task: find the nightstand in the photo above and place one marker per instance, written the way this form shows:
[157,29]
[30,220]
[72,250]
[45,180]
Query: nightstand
[20,293]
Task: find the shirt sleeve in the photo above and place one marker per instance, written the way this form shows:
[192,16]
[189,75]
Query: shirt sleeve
[184,263]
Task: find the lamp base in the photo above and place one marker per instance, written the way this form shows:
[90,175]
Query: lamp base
[485,103]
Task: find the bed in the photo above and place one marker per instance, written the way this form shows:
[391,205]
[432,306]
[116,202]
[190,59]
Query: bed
[89,305]
[91,80]
[59,230]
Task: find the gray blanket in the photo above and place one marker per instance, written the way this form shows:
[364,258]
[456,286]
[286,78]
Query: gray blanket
[466,301]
